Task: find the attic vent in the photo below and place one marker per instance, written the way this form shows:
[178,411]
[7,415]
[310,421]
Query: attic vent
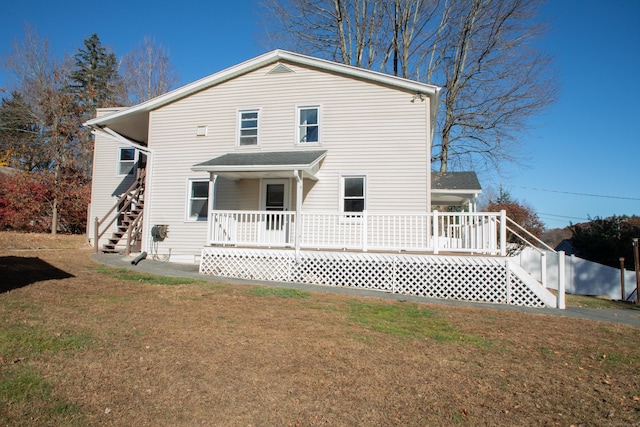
[280,69]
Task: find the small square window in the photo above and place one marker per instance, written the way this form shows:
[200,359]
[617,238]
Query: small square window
[248,128]
[308,125]
[127,161]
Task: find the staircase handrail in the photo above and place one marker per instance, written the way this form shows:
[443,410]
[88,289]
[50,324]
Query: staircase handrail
[130,194]
[512,222]
[132,226]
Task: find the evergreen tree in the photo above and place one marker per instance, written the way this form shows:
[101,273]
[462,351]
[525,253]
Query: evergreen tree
[606,240]
[95,83]
[95,79]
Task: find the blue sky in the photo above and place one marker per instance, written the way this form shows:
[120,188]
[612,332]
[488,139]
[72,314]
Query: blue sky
[582,155]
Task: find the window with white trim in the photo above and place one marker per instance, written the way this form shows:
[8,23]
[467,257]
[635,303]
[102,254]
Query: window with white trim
[126,160]
[248,121]
[354,193]
[198,204]
[308,125]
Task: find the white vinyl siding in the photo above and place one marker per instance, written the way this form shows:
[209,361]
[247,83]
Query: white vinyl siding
[248,127]
[365,128]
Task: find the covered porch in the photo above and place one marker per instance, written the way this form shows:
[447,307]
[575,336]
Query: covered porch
[275,225]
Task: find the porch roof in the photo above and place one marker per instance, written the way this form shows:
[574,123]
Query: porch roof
[454,188]
[275,164]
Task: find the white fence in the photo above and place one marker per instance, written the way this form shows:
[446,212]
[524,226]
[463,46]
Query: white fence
[431,232]
[582,277]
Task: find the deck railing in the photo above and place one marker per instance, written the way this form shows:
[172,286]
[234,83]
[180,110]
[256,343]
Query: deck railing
[465,232]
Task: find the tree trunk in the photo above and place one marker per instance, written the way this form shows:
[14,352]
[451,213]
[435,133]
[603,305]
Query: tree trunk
[54,210]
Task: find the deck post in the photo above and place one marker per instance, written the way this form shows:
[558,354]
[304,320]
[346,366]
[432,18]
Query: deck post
[435,232]
[561,280]
[507,280]
[503,233]
[96,234]
[297,217]
[365,227]
[543,269]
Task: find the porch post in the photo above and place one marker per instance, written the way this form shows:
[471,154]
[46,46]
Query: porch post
[435,232]
[503,233]
[298,216]
[543,269]
[211,205]
[561,280]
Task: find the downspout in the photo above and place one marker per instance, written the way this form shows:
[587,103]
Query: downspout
[298,218]
[432,116]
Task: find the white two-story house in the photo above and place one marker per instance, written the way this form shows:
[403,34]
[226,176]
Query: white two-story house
[280,156]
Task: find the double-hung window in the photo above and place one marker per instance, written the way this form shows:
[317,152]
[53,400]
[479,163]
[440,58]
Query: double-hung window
[248,127]
[353,193]
[126,160]
[308,125]
[198,204]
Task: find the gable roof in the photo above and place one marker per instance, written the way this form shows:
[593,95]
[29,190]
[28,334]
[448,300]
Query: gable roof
[133,122]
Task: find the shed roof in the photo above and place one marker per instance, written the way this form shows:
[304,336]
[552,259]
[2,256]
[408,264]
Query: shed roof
[455,181]
[274,164]
[454,188]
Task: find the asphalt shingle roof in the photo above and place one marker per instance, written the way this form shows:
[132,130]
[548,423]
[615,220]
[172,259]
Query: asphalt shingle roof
[455,181]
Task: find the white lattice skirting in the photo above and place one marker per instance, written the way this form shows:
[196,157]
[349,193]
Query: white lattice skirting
[486,279]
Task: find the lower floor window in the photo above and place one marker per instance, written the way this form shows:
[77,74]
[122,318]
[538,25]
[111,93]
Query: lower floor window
[198,200]
[354,197]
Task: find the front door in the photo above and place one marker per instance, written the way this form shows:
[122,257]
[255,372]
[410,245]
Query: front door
[275,198]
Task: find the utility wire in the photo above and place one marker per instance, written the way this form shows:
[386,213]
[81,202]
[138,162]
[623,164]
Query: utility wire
[578,194]
[563,216]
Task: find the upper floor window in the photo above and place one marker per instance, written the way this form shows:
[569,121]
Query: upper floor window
[354,193]
[248,127]
[308,125]
[126,160]
[198,204]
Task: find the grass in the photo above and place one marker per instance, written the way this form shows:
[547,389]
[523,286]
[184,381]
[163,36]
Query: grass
[265,292]
[106,348]
[22,341]
[408,320]
[147,278]
[24,390]
[595,302]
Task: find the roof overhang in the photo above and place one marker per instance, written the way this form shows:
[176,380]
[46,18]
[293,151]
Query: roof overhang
[278,164]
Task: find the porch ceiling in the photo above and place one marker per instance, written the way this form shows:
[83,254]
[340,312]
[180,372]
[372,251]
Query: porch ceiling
[452,197]
[278,164]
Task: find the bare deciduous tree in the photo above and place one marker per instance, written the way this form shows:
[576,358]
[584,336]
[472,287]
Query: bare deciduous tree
[493,78]
[43,85]
[481,52]
[147,71]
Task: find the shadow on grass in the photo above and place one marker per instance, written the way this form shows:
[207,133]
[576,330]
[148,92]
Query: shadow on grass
[16,272]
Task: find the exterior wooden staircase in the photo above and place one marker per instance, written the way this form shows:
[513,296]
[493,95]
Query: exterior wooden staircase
[128,214]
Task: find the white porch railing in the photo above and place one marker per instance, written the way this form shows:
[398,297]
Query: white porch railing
[477,232]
